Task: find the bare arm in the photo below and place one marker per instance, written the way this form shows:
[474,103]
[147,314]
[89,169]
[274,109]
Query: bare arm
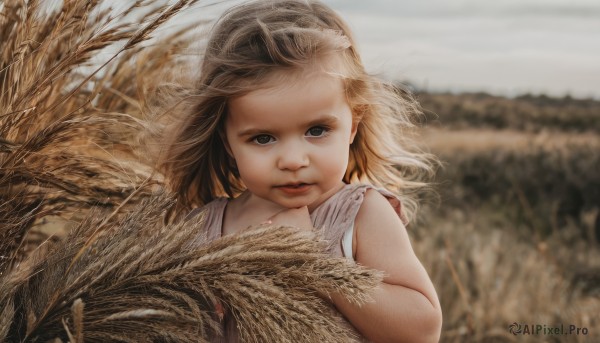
[405,307]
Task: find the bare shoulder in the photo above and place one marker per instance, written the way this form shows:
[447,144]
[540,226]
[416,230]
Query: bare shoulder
[382,242]
[379,231]
[376,209]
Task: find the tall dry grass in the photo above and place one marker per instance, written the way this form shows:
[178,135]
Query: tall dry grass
[515,238]
[140,280]
[68,136]
[523,113]
[73,139]
[488,276]
[541,181]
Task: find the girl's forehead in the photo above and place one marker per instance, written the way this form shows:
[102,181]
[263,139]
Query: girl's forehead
[302,84]
[309,88]
[327,67]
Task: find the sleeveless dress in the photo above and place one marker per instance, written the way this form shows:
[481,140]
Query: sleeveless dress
[334,218]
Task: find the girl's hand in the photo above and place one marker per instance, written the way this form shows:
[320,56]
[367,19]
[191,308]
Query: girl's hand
[296,217]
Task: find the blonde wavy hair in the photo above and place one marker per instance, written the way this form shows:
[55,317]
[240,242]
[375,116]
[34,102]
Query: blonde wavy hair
[251,42]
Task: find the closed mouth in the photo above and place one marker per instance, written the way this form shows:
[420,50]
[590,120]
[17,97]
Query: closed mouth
[294,185]
[294,189]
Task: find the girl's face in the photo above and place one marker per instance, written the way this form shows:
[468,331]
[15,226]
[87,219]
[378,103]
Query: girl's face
[291,140]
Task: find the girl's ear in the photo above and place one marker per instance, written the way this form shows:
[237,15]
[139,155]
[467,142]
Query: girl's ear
[358,112]
[354,129]
[357,115]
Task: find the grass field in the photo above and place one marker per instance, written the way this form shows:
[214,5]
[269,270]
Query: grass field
[514,236]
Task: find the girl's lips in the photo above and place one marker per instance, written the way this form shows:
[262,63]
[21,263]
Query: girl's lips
[293,189]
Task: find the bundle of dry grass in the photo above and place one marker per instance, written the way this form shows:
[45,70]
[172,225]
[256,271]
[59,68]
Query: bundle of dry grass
[69,124]
[139,280]
[70,131]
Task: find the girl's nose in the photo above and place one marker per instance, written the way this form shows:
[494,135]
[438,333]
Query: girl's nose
[292,158]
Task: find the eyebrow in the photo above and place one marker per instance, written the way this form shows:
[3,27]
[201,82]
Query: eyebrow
[323,120]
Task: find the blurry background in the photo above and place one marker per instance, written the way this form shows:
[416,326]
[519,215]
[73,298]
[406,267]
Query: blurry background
[505,47]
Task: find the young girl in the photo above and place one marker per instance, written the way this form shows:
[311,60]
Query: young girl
[289,129]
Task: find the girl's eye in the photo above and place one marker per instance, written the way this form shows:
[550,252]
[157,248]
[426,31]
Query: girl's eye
[262,139]
[317,131]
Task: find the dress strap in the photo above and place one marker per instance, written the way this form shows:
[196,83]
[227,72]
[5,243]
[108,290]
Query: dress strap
[335,217]
[213,218]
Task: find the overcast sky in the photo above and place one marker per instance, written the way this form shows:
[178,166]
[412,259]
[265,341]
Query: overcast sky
[507,46]
[504,47]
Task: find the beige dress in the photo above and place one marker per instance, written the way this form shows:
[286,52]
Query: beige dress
[334,217]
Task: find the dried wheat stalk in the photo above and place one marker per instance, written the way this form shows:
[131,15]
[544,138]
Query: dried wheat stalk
[69,142]
[141,280]
[70,129]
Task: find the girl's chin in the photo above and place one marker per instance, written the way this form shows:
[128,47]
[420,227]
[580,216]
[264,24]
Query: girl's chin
[292,205]
[287,203]
[311,205]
